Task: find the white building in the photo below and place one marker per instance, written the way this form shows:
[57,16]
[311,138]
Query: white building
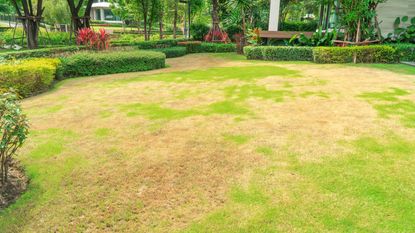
[101,11]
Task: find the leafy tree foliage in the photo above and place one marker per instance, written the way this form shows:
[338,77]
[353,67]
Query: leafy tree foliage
[14,129]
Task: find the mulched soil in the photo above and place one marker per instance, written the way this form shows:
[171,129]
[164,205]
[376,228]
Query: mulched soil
[14,187]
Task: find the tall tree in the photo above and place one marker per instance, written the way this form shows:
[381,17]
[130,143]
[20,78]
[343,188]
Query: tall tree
[80,20]
[30,17]
[175,17]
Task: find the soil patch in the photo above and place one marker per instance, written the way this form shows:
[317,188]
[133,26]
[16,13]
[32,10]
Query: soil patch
[14,187]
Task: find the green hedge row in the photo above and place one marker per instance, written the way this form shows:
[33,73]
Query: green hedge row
[173,51]
[43,52]
[153,44]
[100,63]
[279,53]
[360,54]
[406,52]
[28,77]
[209,47]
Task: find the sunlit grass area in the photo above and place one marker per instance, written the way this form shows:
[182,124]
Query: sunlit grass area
[216,143]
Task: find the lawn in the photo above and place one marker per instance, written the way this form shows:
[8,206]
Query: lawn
[215,143]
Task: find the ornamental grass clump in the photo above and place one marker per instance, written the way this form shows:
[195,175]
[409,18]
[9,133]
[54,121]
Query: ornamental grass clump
[14,130]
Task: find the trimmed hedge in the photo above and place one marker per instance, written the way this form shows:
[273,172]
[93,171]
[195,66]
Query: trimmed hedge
[363,54]
[173,51]
[43,52]
[279,53]
[197,47]
[100,63]
[152,44]
[406,52]
[28,77]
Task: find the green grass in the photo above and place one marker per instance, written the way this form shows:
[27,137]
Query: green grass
[237,139]
[392,104]
[356,192]
[396,68]
[46,165]
[247,74]
[225,149]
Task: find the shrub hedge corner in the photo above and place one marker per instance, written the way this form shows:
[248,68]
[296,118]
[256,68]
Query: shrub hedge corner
[28,77]
[100,63]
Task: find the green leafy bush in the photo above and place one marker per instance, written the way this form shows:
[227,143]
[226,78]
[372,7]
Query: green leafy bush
[99,63]
[28,77]
[173,51]
[216,48]
[279,53]
[14,128]
[359,54]
[44,52]
[253,52]
[403,30]
[152,44]
[195,47]
[199,30]
[307,26]
[405,52]
[317,39]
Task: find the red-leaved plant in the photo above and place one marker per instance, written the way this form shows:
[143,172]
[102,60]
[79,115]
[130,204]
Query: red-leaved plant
[93,40]
[217,36]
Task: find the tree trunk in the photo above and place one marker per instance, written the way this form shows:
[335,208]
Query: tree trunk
[31,27]
[176,6]
[145,26]
[215,15]
[161,23]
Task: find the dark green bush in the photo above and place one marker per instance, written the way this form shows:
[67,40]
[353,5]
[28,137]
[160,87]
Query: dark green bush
[362,54]
[306,26]
[99,63]
[194,47]
[28,77]
[405,52]
[199,30]
[173,51]
[253,52]
[43,52]
[279,53]
[152,44]
[217,48]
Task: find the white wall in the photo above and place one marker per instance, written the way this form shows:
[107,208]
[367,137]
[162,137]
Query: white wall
[388,11]
[274,15]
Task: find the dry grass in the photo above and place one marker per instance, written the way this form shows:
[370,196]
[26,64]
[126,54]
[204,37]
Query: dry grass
[151,152]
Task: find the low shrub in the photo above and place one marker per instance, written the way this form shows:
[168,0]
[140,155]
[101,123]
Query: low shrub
[199,30]
[197,47]
[358,54]
[28,77]
[93,40]
[405,52]
[217,48]
[191,46]
[253,52]
[100,63]
[152,44]
[306,26]
[173,51]
[279,53]
[44,52]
